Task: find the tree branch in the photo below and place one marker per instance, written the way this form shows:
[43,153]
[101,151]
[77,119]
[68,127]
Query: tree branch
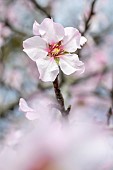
[91,14]
[91,75]
[12,28]
[60,98]
[41,8]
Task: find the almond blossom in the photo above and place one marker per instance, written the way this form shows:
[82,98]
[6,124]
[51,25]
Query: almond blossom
[30,113]
[73,144]
[54,46]
[40,112]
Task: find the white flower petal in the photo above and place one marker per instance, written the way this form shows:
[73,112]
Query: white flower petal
[83,40]
[35,47]
[35,54]
[50,31]
[70,63]
[48,69]
[71,39]
[36,28]
[59,30]
[34,42]
[23,106]
[30,113]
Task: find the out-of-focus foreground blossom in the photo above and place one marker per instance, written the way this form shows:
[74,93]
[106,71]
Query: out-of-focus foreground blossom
[67,144]
[54,46]
[31,114]
[50,142]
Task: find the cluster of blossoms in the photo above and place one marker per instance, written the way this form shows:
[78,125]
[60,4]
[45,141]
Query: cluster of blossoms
[54,46]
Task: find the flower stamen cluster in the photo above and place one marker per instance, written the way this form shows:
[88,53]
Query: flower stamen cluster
[55,50]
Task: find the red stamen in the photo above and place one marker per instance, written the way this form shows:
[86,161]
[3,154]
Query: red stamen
[55,50]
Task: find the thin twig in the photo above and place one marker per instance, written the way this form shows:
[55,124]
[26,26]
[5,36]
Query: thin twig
[60,98]
[87,22]
[11,107]
[104,70]
[12,28]
[109,114]
[41,8]
[91,75]
[112,92]
[110,111]
[91,14]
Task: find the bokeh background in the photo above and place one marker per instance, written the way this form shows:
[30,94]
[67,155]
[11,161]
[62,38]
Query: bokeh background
[89,94]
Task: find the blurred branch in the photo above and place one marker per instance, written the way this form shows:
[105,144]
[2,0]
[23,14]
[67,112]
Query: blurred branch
[12,28]
[109,114]
[87,22]
[11,107]
[41,8]
[91,14]
[79,80]
[110,111]
[112,92]
[91,75]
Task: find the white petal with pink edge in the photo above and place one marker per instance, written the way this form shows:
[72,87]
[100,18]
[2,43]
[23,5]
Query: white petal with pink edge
[71,40]
[48,69]
[70,63]
[30,113]
[23,106]
[35,47]
[50,31]
[36,28]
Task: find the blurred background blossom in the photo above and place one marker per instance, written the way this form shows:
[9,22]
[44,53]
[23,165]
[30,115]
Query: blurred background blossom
[90,94]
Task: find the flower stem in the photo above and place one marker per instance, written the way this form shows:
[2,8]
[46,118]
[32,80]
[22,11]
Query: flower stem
[60,98]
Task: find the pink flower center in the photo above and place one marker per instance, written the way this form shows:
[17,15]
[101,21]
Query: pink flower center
[55,50]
